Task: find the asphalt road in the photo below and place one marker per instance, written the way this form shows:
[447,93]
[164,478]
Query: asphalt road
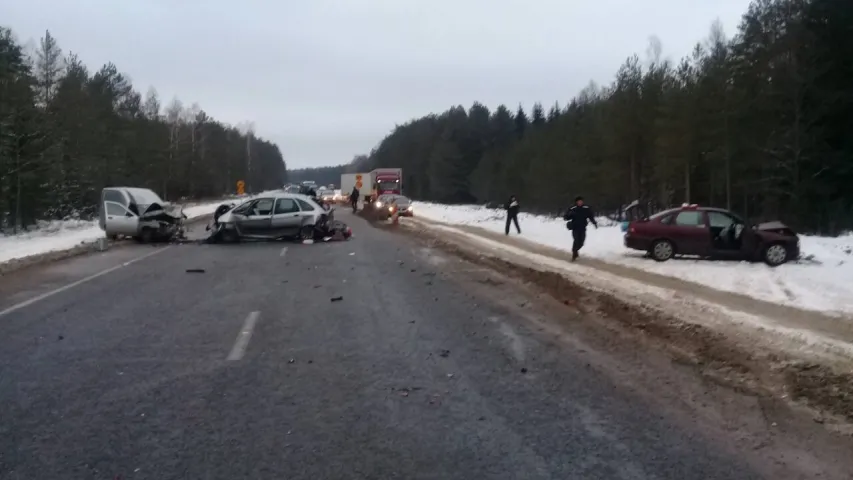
[148,372]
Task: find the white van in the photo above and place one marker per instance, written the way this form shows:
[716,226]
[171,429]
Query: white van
[139,213]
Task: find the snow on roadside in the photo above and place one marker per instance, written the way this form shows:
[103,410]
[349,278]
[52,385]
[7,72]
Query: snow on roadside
[823,283]
[63,235]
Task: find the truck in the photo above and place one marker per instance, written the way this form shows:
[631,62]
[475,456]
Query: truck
[386,181]
[350,180]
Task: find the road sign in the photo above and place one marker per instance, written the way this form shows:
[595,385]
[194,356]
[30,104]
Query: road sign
[241,187]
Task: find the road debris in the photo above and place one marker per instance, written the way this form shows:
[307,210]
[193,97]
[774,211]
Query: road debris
[292,360]
[523,370]
[195,270]
[444,353]
[336,299]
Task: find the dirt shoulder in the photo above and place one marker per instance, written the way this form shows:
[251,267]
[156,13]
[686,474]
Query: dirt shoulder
[767,351]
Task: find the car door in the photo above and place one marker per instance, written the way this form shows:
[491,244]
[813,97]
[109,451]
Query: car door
[691,233]
[119,220]
[725,234]
[258,218]
[286,218]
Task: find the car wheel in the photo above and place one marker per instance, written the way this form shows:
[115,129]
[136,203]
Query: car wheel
[229,236]
[306,233]
[775,254]
[662,250]
[146,236]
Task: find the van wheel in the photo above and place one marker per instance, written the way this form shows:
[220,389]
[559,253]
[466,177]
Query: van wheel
[112,237]
[306,233]
[146,236]
[662,250]
[775,254]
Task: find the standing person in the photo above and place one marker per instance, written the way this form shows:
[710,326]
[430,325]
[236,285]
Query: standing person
[577,217]
[353,198]
[512,214]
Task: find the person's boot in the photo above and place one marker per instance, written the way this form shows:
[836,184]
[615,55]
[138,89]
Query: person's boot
[574,256]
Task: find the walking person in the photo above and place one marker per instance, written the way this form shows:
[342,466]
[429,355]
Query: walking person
[577,218]
[512,214]
[353,198]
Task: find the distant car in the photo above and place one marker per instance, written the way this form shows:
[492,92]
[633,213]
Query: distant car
[387,204]
[274,216]
[711,233]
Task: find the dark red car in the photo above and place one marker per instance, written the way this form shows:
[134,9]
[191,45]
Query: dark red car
[711,233]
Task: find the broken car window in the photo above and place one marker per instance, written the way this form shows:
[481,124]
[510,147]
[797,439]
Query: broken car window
[262,207]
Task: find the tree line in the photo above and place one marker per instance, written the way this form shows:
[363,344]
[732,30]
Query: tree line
[759,123]
[66,133]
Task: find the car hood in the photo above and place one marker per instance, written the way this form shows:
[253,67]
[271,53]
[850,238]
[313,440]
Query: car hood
[775,227]
[162,211]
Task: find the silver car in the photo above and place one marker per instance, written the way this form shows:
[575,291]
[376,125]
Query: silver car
[139,213]
[272,217]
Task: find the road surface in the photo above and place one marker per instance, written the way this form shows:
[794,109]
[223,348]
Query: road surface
[374,358]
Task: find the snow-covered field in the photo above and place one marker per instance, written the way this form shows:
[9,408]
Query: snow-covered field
[822,283]
[64,235]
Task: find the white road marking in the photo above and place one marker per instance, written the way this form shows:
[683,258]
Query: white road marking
[243,337]
[71,285]
[283,252]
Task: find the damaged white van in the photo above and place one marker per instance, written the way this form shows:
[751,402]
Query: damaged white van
[139,213]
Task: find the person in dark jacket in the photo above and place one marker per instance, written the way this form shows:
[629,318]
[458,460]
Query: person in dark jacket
[353,198]
[512,214]
[577,218]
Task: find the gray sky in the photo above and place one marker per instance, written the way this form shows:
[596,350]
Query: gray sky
[327,79]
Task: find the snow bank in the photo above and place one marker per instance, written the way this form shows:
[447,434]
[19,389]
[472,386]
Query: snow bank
[64,235]
[822,282]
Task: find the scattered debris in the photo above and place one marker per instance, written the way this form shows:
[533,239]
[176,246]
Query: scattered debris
[413,270]
[195,270]
[337,299]
[449,375]
[310,361]
[523,370]
[351,253]
[444,353]
[481,418]
[404,393]
[291,360]
[61,337]
[316,286]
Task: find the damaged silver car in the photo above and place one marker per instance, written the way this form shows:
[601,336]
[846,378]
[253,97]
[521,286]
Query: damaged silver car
[277,216]
[139,213]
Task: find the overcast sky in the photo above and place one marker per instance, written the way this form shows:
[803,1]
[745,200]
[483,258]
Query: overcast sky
[327,79]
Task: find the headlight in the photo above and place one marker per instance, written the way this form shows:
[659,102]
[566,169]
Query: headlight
[378,204]
[390,209]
